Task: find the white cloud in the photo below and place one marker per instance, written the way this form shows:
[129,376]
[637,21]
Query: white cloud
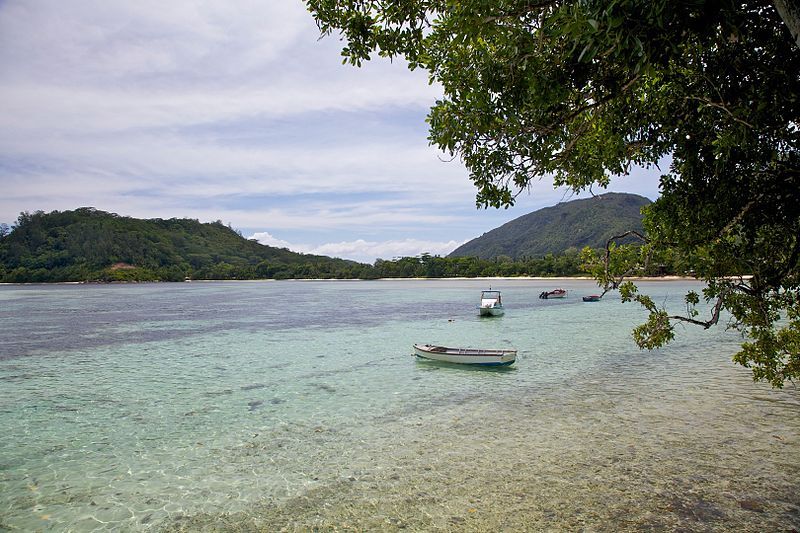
[99,67]
[369,251]
[57,109]
[364,251]
[224,110]
[267,239]
[248,169]
[85,41]
[187,102]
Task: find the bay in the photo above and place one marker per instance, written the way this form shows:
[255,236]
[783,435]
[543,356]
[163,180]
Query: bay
[297,405]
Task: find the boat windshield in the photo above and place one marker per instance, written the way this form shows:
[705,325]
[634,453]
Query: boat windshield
[490,295]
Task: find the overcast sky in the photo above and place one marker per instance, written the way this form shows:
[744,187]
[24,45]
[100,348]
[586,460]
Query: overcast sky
[231,111]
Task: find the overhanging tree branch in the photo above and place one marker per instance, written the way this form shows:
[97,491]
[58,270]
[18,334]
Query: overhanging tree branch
[704,323]
[789,11]
[610,282]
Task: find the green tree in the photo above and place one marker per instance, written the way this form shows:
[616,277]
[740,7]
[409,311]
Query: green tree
[582,90]
[85,243]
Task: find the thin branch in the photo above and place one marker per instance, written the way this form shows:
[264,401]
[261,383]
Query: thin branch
[705,323]
[721,105]
[792,262]
[521,13]
[616,282]
[558,125]
[572,142]
[729,226]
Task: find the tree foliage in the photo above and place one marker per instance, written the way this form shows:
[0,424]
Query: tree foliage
[582,90]
[91,245]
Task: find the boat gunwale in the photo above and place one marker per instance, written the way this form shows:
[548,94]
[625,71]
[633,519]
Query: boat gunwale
[469,352]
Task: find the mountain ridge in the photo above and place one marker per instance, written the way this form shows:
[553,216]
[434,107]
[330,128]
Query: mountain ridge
[574,224]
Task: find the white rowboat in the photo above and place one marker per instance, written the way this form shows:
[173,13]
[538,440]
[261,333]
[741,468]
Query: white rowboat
[465,356]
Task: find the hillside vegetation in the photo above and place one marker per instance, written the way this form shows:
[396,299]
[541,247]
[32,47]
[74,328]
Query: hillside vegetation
[91,245]
[552,230]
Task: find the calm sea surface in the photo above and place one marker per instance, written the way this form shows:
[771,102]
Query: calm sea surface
[296,405]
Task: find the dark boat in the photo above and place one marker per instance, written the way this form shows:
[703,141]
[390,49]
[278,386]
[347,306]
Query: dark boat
[555,293]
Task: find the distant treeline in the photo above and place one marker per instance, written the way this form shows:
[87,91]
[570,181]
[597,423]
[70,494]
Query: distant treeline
[91,245]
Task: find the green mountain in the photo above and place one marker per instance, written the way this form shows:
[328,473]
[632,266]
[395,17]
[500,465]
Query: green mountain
[91,245]
[590,222]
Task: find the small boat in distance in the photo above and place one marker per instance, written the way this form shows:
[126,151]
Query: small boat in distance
[465,356]
[555,293]
[491,304]
[592,298]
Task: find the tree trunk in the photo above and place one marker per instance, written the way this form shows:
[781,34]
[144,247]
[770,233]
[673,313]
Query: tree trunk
[789,10]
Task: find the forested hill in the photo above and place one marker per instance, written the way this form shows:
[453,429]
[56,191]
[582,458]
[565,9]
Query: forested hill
[91,245]
[590,222]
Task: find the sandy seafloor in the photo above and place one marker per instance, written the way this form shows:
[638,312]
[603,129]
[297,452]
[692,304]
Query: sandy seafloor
[649,462]
[207,407]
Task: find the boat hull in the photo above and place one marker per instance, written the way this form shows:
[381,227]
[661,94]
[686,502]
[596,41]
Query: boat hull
[556,293]
[491,311]
[465,356]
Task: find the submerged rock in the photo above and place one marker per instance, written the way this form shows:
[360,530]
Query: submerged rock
[752,505]
[253,386]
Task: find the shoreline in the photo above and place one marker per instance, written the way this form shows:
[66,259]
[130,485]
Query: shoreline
[479,278]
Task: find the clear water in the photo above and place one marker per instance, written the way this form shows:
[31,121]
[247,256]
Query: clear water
[296,406]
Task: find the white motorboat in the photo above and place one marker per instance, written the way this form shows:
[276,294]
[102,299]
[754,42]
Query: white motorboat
[491,304]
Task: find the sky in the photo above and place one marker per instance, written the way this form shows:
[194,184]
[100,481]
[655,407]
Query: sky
[232,111]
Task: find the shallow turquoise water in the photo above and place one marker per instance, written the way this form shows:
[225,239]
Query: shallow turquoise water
[297,405]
